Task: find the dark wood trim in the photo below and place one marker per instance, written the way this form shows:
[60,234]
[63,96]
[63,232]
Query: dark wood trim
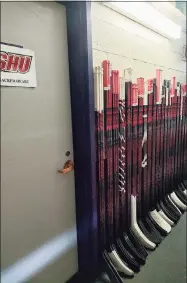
[83,122]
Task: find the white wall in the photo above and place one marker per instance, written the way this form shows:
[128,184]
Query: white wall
[118,39]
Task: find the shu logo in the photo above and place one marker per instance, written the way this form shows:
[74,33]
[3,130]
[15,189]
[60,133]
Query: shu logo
[15,63]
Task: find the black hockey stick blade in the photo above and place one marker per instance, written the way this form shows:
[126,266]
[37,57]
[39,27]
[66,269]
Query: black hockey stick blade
[175,210]
[167,212]
[132,249]
[181,190]
[183,186]
[181,196]
[159,228]
[132,263]
[109,268]
[137,243]
[150,233]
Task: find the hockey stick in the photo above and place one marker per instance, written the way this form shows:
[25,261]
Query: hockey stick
[163,227]
[113,253]
[151,133]
[165,210]
[174,195]
[168,201]
[106,263]
[128,239]
[178,190]
[119,243]
[134,224]
[144,150]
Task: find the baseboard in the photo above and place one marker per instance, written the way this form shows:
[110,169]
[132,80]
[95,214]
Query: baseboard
[74,278]
[80,278]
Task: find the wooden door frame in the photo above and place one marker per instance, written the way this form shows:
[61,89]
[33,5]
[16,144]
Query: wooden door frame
[79,34]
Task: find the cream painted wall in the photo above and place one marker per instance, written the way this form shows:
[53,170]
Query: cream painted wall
[126,43]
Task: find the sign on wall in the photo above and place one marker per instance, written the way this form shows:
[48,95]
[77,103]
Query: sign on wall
[17,67]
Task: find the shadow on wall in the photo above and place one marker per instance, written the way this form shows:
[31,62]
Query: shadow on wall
[39,259]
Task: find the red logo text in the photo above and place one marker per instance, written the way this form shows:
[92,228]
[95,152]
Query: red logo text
[15,63]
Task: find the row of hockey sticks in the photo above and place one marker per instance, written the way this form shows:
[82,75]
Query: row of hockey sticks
[104,100]
[107,140]
[153,161]
[112,241]
[123,252]
[149,159]
[150,163]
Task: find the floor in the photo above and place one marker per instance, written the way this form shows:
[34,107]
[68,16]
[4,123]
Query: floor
[167,264]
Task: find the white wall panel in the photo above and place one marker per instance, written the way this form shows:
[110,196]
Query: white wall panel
[127,43]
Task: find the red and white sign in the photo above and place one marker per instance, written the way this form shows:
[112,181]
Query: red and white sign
[17,66]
